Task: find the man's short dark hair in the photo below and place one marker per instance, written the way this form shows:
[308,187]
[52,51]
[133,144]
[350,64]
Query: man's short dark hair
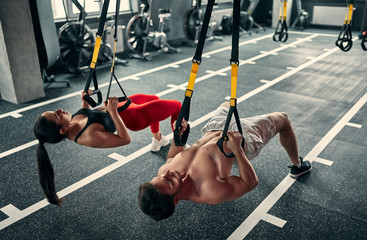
[155,204]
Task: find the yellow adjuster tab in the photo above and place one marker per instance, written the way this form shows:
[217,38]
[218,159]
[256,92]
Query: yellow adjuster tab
[188,93]
[233,102]
[194,71]
[96,51]
[350,13]
[234,74]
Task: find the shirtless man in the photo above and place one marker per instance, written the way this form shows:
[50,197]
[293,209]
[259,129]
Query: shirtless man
[202,173]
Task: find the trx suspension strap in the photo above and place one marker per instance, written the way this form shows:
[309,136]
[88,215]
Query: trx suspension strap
[281,31]
[234,74]
[344,41]
[92,67]
[185,109]
[124,97]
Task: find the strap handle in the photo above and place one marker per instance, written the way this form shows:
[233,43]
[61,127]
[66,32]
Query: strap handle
[344,40]
[185,109]
[234,76]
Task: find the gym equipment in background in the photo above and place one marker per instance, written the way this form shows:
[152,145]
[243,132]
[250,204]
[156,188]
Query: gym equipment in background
[281,30]
[192,24]
[302,20]
[46,38]
[344,40]
[77,42]
[142,40]
[250,22]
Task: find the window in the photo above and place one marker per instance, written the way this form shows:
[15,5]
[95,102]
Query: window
[63,9]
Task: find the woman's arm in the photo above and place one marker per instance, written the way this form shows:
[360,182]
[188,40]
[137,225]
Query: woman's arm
[121,129]
[82,94]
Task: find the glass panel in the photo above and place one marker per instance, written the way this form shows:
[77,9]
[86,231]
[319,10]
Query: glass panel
[57,9]
[124,5]
[90,6]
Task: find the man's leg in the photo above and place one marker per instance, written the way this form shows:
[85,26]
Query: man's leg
[287,136]
[288,140]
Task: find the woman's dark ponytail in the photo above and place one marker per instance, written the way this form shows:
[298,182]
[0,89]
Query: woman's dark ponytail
[47,131]
[46,175]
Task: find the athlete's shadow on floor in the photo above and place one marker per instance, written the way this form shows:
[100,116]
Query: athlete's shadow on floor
[163,152]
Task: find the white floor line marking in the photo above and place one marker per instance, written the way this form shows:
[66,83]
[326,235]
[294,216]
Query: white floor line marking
[176,87]
[321,160]
[274,220]
[217,73]
[174,66]
[37,206]
[130,77]
[310,58]
[16,115]
[19,148]
[10,210]
[264,81]
[290,68]
[309,33]
[301,38]
[117,157]
[134,78]
[265,86]
[261,210]
[251,221]
[353,125]
[275,54]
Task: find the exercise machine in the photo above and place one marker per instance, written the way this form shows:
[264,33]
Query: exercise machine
[193,21]
[302,19]
[250,22]
[77,41]
[142,40]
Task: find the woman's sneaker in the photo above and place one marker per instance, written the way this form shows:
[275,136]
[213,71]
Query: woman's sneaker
[299,171]
[157,145]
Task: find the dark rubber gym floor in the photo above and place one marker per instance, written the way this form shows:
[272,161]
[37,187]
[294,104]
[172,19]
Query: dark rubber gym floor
[323,90]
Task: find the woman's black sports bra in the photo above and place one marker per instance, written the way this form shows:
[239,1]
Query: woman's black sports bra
[95,116]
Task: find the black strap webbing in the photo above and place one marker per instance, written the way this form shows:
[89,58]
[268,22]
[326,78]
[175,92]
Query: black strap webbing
[234,73]
[185,109]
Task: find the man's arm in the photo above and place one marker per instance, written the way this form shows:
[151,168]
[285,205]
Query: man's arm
[174,150]
[247,172]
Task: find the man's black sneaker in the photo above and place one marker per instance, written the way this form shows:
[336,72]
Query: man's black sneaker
[299,171]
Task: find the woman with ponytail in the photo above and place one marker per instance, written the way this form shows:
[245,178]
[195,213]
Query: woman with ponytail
[95,128]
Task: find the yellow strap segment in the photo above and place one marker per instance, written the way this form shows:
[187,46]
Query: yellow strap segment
[280,13]
[95,52]
[350,13]
[113,58]
[285,10]
[234,75]
[194,71]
